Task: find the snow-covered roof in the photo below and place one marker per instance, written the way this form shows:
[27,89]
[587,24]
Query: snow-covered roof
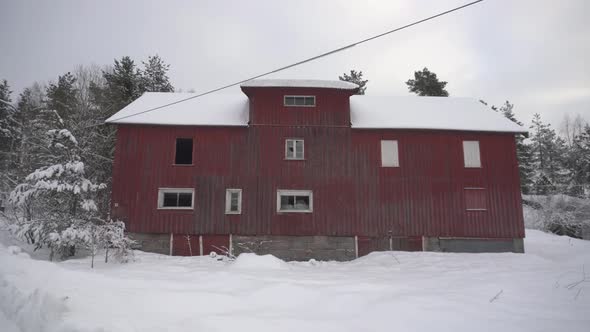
[342,85]
[218,109]
[444,113]
[214,109]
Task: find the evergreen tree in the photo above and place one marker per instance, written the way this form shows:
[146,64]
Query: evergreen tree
[356,78]
[56,198]
[7,132]
[426,83]
[547,157]
[523,150]
[154,76]
[61,96]
[122,86]
[580,164]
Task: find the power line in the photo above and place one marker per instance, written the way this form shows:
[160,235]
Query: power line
[304,61]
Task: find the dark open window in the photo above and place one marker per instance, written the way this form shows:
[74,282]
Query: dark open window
[184,151]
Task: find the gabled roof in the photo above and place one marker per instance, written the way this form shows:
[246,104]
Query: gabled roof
[321,84]
[366,112]
[412,112]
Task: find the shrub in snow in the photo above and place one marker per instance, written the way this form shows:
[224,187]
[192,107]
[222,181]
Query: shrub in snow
[558,214]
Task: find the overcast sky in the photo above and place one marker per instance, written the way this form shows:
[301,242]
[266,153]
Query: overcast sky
[535,53]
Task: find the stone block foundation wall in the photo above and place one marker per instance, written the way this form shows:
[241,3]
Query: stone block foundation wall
[302,248]
[473,245]
[297,248]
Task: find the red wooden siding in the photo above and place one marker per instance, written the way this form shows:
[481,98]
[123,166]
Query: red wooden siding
[266,105]
[353,195]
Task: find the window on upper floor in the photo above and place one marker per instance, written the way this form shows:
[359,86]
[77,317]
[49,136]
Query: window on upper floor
[294,149]
[233,201]
[475,199]
[471,155]
[184,151]
[294,201]
[299,101]
[389,153]
[175,198]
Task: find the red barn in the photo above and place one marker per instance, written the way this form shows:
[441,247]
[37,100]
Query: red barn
[306,169]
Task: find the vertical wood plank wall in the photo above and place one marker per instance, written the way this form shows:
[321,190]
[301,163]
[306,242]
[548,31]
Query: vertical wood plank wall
[352,193]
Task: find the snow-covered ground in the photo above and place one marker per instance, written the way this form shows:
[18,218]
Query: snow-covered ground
[386,291]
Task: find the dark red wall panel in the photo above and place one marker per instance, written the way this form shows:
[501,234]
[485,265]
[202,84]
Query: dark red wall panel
[352,193]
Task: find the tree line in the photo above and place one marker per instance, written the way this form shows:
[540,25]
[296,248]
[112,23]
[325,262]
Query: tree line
[56,153]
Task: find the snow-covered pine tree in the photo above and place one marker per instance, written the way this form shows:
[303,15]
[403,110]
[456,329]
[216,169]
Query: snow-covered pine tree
[61,97]
[356,78]
[580,164]
[523,150]
[154,76]
[8,134]
[58,198]
[547,151]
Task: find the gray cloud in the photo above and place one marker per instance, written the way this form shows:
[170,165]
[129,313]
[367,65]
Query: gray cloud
[531,52]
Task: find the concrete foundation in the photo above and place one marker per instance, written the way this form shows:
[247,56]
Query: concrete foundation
[339,248]
[158,243]
[297,248]
[474,245]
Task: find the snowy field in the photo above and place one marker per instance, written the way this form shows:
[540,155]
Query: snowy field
[399,291]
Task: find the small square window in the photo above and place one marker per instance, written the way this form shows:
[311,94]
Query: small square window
[294,201]
[294,149]
[233,201]
[184,151]
[471,155]
[175,198]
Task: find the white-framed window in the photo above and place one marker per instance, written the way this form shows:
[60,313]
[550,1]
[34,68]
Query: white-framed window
[294,149]
[389,153]
[294,201]
[471,154]
[299,101]
[176,198]
[233,201]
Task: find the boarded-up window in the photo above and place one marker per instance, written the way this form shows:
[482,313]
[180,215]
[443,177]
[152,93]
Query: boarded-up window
[471,154]
[475,199]
[389,154]
[184,151]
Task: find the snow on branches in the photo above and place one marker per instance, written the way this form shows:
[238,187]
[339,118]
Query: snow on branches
[58,205]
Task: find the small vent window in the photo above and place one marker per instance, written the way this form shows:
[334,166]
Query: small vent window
[184,151]
[300,101]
